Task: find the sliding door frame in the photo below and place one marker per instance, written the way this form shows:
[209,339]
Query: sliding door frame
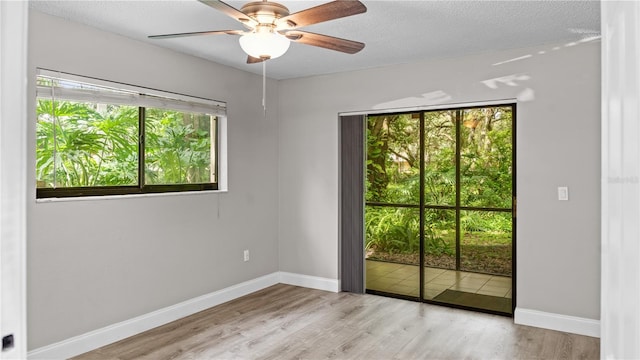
[458,206]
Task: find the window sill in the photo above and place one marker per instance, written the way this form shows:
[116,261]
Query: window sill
[129,196]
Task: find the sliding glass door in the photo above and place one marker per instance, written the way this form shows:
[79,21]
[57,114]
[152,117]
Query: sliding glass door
[392,213]
[439,216]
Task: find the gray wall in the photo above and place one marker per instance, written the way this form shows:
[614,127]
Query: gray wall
[558,142]
[92,263]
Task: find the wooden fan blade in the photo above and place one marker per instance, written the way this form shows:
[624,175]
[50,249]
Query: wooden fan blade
[217,32]
[325,12]
[231,12]
[254,60]
[325,41]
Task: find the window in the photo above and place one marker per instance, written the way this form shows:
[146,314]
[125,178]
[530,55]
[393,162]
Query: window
[103,138]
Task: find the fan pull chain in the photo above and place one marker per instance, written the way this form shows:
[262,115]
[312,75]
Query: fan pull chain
[264,87]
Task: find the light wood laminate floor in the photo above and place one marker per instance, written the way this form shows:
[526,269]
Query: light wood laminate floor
[289,322]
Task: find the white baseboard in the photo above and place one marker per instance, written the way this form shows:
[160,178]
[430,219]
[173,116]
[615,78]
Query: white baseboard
[565,323]
[92,340]
[312,282]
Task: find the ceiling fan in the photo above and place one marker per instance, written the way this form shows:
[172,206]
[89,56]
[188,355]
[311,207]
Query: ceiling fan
[270,27]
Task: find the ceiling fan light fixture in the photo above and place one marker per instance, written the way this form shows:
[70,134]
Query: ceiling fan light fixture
[264,44]
[267,20]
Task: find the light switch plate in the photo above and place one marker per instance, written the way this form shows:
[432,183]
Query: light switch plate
[563,193]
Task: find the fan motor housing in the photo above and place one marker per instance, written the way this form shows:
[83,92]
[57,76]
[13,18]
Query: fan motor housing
[260,9]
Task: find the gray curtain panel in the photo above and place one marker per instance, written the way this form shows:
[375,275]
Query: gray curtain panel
[352,160]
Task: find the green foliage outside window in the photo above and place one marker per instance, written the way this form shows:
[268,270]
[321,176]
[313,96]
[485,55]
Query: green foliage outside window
[83,144]
[178,147]
[393,177]
[91,145]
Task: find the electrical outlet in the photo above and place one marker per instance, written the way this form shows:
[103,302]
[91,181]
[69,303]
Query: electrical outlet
[246,255]
[7,342]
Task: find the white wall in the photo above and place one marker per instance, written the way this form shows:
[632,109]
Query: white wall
[558,141]
[13,114]
[93,263]
[620,180]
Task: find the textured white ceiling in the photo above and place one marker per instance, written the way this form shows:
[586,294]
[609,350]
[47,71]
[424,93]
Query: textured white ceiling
[394,31]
